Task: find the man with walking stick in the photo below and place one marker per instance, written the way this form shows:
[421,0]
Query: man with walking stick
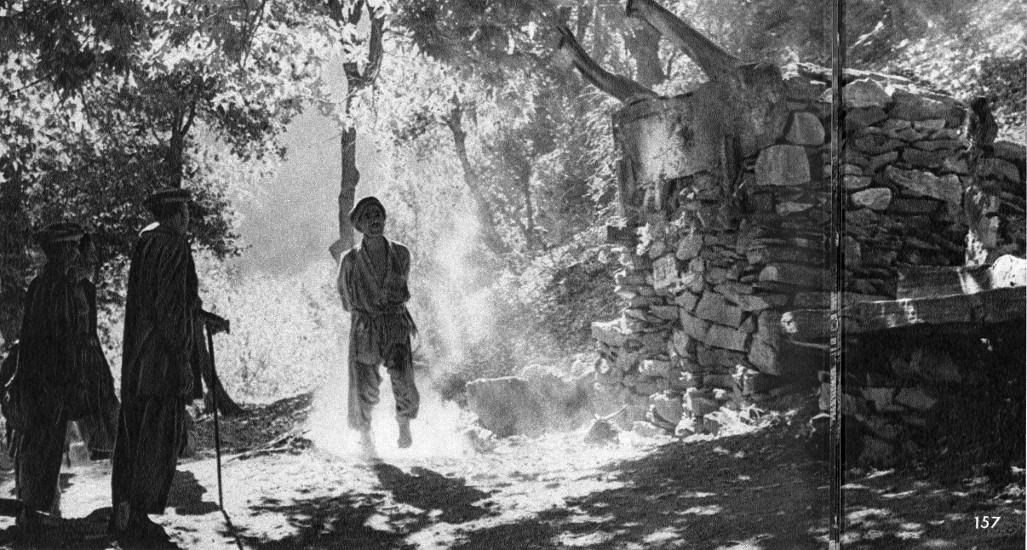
[158,373]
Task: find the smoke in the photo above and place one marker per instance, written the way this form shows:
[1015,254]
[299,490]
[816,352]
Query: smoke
[462,316]
[463,308]
[436,430]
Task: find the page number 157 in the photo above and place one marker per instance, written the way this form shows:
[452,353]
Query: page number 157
[986,522]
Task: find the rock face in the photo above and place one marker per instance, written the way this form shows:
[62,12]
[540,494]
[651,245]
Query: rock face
[505,406]
[737,230]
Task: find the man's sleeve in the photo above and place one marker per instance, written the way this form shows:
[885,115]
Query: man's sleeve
[62,319]
[403,268]
[173,308]
[342,284]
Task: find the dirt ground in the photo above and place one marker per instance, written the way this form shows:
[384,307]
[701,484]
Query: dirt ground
[758,490]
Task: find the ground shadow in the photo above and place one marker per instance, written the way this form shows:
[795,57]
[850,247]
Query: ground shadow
[186,496]
[751,491]
[428,490]
[899,510]
[330,522]
[87,533]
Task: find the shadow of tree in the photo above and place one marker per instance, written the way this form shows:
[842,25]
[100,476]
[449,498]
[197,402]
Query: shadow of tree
[88,533]
[428,490]
[362,521]
[734,492]
[186,496]
[895,510]
[327,522]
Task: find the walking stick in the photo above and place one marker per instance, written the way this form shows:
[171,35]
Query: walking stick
[217,436]
[217,431]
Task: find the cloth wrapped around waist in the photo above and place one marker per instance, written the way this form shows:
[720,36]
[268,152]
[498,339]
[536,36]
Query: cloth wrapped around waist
[374,334]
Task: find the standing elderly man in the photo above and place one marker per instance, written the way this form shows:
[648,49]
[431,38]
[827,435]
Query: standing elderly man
[372,283]
[158,378]
[44,393]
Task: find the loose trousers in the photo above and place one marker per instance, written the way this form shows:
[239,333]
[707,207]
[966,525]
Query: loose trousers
[38,451]
[364,380]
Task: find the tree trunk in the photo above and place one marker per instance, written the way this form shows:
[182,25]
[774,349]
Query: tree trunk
[14,259]
[347,187]
[717,63]
[356,80]
[643,42]
[620,87]
[490,236]
[175,159]
[529,213]
[226,405]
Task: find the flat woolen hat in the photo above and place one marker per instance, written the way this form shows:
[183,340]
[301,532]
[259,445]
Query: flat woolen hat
[168,195]
[364,204]
[60,232]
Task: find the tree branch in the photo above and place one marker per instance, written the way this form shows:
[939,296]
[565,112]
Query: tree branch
[617,86]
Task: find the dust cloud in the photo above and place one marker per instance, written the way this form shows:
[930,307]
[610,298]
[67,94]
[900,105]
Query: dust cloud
[462,314]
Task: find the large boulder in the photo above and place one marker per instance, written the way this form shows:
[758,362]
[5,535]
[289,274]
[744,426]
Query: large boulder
[505,406]
[533,402]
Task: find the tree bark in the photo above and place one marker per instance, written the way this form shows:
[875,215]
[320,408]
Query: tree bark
[175,159]
[347,187]
[643,43]
[226,405]
[530,240]
[14,258]
[617,86]
[717,63]
[490,236]
[356,80]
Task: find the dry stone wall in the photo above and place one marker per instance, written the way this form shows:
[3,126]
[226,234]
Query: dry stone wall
[732,235]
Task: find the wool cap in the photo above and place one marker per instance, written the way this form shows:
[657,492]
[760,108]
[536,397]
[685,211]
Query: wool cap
[364,204]
[168,195]
[60,232]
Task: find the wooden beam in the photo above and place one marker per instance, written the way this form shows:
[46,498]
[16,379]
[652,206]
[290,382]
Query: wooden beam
[976,310]
[1007,271]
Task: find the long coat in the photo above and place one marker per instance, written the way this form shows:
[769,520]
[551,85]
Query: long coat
[160,317]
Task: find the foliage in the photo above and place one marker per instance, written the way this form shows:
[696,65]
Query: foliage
[965,50]
[92,124]
[263,358]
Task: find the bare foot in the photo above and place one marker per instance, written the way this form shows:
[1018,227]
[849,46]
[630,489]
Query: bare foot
[367,450]
[405,440]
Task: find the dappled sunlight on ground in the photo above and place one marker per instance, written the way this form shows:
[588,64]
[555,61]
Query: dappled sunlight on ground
[889,509]
[752,491]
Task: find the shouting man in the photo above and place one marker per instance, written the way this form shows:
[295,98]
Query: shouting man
[372,282]
[157,375]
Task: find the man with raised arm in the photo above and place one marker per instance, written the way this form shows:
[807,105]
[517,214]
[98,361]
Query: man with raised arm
[372,283]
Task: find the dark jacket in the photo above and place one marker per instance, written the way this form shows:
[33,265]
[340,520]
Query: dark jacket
[160,317]
[54,328]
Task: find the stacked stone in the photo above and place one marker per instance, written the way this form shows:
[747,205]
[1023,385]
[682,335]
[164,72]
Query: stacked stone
[995,202]
[905,168]
[634,362]
[731,246]
[734,250]
[892,415]
[901,392]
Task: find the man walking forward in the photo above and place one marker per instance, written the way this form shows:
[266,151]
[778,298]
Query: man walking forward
[372,282]
[157,377]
